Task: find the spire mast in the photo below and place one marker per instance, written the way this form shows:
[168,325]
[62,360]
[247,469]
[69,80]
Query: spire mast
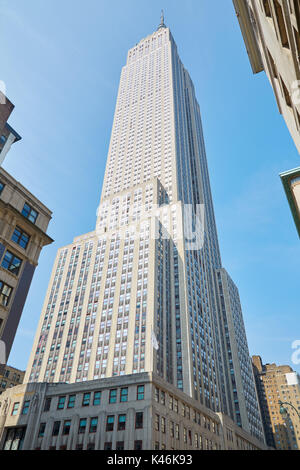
[162,20]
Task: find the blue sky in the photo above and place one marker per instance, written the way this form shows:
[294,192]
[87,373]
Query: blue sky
[61,61]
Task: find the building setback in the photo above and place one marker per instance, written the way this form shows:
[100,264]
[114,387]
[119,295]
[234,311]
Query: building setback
[135,412]
[274,384]
[140,293]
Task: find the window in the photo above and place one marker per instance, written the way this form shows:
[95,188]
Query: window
[86,399]
[25,407]
[66,427]
[15,408]
[124,394]
[47,404]
[42,430]
[56,427]
[1,187]
[286,94]
[140,392]
[113,396]
[93,424]
[120,445]
[61,403]
[139,420]
[138,445]
[121,422]
[71,401]
[90,446]
[97,398]
[3,139]
[5,293]
[156,423]
[107,446]
[29,213]
[20,237]
[12,263]
[110,421]
[267,8]
[281,24]
[162,398]
[82,426]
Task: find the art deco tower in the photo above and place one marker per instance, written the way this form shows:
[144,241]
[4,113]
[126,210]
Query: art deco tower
[139,293]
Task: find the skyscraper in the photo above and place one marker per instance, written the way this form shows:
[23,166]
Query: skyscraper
[140,293]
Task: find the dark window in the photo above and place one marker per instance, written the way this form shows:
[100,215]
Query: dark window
[90,446]
[61,403]
[29,213]
[267,8]
[93,424]
[1,187]
[86,399]
[71,401]
[12,263]
[66,428]
[121,422]
[5,293]
[140,392]
[47,404]
[56,427]
[82,426]
[286,94]
[113,396]
[110,423]
[97,398]
[139,420]
[42,429]
[107,446]
[281,24]
[124,394]
[20,237]
[15,408]
[25,407]
[120,445]
[138,445]
[79,446]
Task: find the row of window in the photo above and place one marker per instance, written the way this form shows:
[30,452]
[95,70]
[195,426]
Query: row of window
[91,424]
[94,398]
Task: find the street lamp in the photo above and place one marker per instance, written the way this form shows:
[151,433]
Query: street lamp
[283,410]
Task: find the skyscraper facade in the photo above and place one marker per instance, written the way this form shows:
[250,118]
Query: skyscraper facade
[140,293]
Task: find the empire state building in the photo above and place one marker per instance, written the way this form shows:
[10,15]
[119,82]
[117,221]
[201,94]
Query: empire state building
[146,290]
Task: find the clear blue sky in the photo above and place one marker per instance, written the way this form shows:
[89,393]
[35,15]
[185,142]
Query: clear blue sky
[61,61]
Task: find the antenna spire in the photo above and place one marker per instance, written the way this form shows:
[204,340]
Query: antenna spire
[162,20]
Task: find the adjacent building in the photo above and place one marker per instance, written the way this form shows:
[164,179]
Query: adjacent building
[7,134]
[23,224]
[140,293]
[271,31]
[10,377]
[135,412]
[291,183]
[274,384]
